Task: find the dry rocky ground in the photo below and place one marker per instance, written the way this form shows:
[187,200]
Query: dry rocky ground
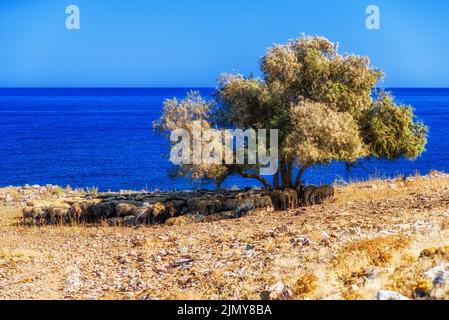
[373,238]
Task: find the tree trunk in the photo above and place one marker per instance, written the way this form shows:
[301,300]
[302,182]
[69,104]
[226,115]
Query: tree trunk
[276,180]
[299,175]
[290,173]
[284,174]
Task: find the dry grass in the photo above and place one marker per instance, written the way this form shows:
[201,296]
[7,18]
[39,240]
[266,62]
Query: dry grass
[8,256]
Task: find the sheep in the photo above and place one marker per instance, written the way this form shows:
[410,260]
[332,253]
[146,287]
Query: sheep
[129,221]
[202,207]
[75,212]
[158,213]
[230,204]
[27,212]
[275,198]
[85,208]
[292,198]
[115,222]
[125,209]
[280,199]
[244,206]
[267,203]
[306,196]
[102,210]
[55,215]
[321,193]
[214,205]
[38,215]
[143,215]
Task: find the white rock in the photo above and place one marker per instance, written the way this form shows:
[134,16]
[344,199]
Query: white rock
[324,235]
[439,274]
[276,292]
[73,281]
[390,295]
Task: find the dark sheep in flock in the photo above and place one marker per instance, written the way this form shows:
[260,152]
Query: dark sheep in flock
[143,216]
[126,210]
[230,204]
[40,215]
[56,215]
[158,213]
[245,205]
[129,221]
[315,195]
[292,198]
[36,214]
[75,212]
[281,199]
[267,203]
[322,193]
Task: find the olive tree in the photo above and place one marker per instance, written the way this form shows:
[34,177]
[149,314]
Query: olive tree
[325,105]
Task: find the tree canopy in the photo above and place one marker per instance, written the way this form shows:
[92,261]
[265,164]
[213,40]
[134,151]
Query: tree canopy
[325,105]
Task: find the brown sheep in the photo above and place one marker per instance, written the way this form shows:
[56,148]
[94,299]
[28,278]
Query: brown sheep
[38,215]
[27,212]
[230,204]
[158,213]
[115,222]
[202,207]
[275,195]
[75,212]
[306,196]
[280,199]
[214,205]
[292,198]
[267,203]
[143,216]
[171,210]
[125,209]
[321,193]
[103,210]
[85,208]
[129,221]
[55,215]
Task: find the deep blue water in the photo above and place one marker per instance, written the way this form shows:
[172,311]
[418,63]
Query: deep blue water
[104,138]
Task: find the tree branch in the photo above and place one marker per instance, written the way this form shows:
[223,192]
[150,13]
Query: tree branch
[254,176]
[299,175]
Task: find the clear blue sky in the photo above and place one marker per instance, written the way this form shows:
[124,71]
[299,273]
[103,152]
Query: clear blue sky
[189,43]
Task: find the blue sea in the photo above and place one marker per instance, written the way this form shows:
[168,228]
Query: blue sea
[103,138]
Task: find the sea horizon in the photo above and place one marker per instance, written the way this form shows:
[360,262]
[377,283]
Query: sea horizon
[103,137]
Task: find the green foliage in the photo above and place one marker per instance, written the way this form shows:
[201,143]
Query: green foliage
[390,132]
[321,102]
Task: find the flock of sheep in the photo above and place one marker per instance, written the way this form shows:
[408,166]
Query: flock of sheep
[156,208]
